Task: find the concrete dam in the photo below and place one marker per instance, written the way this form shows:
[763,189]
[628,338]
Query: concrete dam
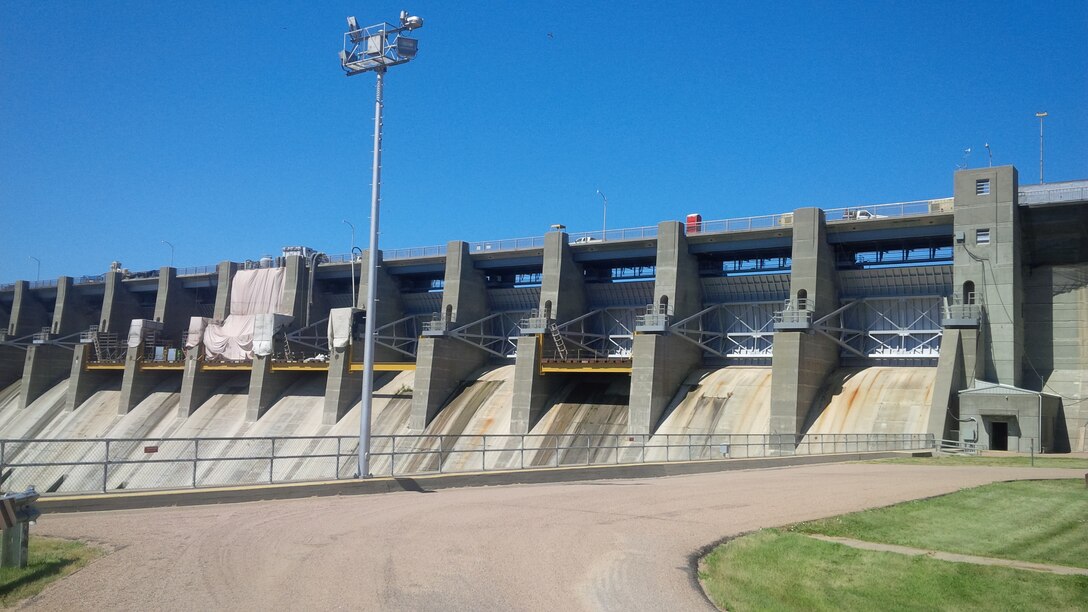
[965,318]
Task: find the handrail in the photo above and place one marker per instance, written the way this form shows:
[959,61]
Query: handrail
[113,464]
[1053,195]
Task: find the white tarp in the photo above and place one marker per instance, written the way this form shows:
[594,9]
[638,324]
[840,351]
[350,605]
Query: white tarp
[256,314]
[340,327]
[258,291]
[196,331]
[265,327]
[232,339]
[139,328]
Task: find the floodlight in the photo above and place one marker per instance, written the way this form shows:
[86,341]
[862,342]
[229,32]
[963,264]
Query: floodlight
[407,47]
[413,22]
[352,24]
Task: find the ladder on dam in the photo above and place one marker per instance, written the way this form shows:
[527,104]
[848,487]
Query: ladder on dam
[106,345]
[557,337]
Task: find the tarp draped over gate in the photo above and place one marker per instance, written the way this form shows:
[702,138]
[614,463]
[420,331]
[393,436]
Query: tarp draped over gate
[256,314]
[340,327]
[196,331]
[139,329]
[258,292]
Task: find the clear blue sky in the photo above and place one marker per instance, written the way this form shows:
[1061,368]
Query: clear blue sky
[228,128]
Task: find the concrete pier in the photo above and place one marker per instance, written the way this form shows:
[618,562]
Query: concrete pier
[119,307]
[562,298]
[48,364]
[198,385]
[344,387]
[988,263]
[803,360]
[444,363]
[28,315]
[173,308]
[266,386]
[661,362]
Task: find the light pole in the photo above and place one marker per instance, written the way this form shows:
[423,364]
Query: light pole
[990,154]
[374,49]
[38,275]
[354,294]
[604,222]
[1041,116]
[171,245]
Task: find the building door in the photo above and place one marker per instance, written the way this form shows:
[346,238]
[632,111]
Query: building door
[999,436]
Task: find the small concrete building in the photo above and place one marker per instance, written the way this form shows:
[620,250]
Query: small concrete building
[1003,417]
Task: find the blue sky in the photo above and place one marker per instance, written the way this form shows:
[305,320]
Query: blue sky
[229,129]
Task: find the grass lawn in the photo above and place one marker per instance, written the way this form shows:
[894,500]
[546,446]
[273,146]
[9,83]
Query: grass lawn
[1044,521]
[48,559]
[775,570]
[1047,461]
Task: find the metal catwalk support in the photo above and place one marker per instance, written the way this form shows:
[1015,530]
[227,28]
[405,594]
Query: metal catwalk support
[601,333]
[886,328]
[737,330]
[496,333]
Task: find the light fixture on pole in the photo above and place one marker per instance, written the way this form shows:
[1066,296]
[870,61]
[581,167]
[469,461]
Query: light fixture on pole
[38,275]
[374,49]
[1041,116]
[966,154]
[171,245]
[604,222]
[354,293]
[990,154]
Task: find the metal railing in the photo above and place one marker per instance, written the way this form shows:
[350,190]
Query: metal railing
[197,270]
[895,209]
[957,447]
[1053,195]
[797,312]
[957,308]
[90,280]
[112,465]
[746,223]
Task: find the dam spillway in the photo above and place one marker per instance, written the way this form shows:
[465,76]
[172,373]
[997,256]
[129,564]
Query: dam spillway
[914,318]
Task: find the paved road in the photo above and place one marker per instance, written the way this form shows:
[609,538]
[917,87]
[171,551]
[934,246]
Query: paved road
[607,545]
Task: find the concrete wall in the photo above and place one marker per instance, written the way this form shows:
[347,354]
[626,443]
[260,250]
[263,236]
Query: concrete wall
[1056,345]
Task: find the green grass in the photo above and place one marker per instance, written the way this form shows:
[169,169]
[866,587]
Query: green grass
[47,560]
[1046,461]
[1043,521]
[775,570]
